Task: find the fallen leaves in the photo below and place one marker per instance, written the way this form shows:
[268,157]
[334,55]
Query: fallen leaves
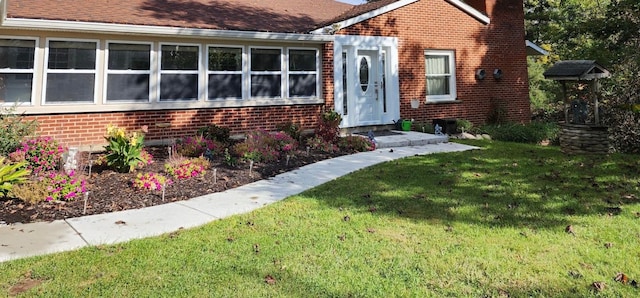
[598,286]
[621,278]
[121,222]
[569,229]
[270,280]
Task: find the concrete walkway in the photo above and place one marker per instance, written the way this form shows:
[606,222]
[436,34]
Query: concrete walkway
[24,240]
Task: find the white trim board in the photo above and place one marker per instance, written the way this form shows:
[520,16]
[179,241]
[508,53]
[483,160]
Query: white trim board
[534,50]
[90,27]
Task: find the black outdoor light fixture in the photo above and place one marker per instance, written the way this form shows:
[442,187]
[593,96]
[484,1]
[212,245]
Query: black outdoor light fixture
[480,74]
[497,73]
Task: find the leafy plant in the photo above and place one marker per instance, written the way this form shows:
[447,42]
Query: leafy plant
[320,144]
[229,159]
[329,126]
[64,186]
[259,145]
[197,146]
[123,149]
[353,144]
[216,133]
[42,154]
[187,168]
[292,129]
[145,159]
[150,181]
[11,174]
[14,129]
[30,191]
[532,133]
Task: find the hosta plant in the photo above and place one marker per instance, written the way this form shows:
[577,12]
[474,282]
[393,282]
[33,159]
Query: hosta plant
[11,174]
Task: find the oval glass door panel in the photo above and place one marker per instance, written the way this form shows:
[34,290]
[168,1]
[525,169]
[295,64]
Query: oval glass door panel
[364,73]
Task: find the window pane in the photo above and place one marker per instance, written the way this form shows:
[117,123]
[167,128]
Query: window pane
[129,56]
[70,87]
[265,85]
[225,86]
[176,57]
[178,86]
[15,87]
[225,59]
[265,60]
[345,103]
[303,85]
[364,74]
[438,86]
[437,64]
[72,55]
[302,60]
[17,54]
[128,87]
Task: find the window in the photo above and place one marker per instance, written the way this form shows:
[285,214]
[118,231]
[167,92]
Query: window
[16,70]
[345,102]
[225,73]
[266,73]
[179,72]
[71,71]
[303,73]
[128,72]
[440,75]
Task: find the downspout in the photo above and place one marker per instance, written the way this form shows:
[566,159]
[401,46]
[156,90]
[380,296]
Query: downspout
[3,13]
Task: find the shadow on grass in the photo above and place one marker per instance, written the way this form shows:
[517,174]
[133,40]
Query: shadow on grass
[504,185]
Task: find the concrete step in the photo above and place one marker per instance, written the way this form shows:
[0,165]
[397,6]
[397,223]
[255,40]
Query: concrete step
[394,138]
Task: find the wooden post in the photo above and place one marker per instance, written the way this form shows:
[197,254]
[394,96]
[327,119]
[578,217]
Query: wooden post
[564,102]
[596,90]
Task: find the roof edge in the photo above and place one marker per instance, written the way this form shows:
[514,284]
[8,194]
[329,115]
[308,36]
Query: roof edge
[332,28]
[537,50]
[471,11]
[91,27]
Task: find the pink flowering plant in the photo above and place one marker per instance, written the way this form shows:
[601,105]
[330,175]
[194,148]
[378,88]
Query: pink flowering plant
[187,168]
[64,186]
[320,144]
[150,181]
[145,159]
[43,154]
[261,145]
[195,146]
[284,142]
[354,144]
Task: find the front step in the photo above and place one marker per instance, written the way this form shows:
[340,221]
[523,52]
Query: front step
[407,138]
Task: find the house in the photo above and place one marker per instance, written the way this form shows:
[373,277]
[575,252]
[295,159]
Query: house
[175,66]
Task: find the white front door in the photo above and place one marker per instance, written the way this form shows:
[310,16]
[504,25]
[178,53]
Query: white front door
[368,88]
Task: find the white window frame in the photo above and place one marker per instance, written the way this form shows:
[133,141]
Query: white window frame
[196,72]
[282,72]
[452,96]
[129,71]
[47,71]
[315,72]
[242,71]
[24,70]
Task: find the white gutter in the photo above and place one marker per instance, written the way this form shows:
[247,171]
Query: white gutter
[90,27]
[536,50]
[471,11]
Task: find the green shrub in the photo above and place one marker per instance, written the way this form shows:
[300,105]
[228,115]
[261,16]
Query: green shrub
[354,144]
[464,125]
[216,133]
[13,130]
[319,144]
[124,149]
[294,130]
[533,133]
[11,174]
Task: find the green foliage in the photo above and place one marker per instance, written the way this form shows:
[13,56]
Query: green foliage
[292,129]
[11,174]
[13,130]
[217,133]
[498,112]
[319,144]
[464,125]
[353,144]
[532,133]
[620,112]
[123,149]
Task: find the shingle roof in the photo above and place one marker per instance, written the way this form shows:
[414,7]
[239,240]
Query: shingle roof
[288,16]
[360,9]
[576,70]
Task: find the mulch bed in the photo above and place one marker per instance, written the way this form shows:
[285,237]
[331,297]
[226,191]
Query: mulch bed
[111,191]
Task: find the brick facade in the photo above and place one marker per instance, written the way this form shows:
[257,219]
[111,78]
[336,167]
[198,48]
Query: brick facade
[439,25]
[419,26]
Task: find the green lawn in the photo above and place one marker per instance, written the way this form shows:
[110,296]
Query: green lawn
[479,223]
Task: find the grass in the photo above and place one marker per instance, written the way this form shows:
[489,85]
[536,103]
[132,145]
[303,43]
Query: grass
[479,223]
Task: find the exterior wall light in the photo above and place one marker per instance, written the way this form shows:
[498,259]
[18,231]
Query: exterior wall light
[497,73]
[480,74]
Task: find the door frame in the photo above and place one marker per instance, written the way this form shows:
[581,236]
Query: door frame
[349,45]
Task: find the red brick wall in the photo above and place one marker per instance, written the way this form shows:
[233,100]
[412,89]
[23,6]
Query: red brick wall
[439,25]
[89,128]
